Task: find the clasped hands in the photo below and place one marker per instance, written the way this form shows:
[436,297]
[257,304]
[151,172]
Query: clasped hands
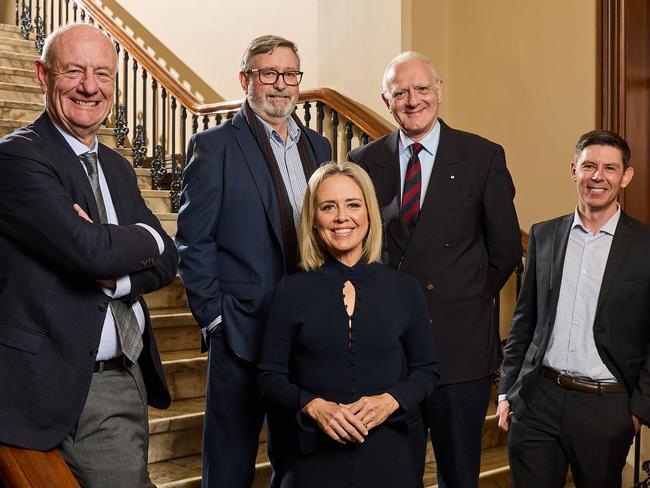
[351,422]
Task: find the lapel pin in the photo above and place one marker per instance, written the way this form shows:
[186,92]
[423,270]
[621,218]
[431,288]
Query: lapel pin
[452,177]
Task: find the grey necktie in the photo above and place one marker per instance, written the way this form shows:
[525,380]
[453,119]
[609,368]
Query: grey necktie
[125,320]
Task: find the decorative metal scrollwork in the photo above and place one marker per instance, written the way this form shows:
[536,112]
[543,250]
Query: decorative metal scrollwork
[121,130]
[138,151]
[157,170]
[39,27]
[175,188]
[307,106]
[26,21]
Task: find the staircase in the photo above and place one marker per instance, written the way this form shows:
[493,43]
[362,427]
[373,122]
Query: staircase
[175,440]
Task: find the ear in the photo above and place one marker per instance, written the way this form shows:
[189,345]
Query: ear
[627,176]
[440,90]
[243,80]
[41,75]
[572,166]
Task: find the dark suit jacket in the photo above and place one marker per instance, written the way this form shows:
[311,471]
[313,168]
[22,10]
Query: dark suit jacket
[51,309]
[229,232]
[465,246]
[622,323]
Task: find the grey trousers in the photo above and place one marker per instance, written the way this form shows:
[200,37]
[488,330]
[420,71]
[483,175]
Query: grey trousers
[108,447]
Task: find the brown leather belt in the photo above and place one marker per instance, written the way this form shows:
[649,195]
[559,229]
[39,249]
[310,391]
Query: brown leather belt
[581,384]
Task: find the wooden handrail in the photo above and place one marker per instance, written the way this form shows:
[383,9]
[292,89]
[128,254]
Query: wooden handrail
[24,468]
[364,118]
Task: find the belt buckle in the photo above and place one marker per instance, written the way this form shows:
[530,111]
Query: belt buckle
[558,380]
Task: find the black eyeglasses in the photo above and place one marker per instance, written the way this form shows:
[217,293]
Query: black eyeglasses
[270,76]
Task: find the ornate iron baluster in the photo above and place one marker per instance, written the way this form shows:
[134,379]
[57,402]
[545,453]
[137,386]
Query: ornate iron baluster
[144,109]
[67,11]
[307,107]
[121,130]
[60,13]
[163,119]
[173,192]
[154,114]
[139,150]
[82,15]
[39,28]
[206,121]
[157,168]
[117,78]
[26,19]
[17,12]
[217,119]
[348,136]
[334,120]
[364,138]
[320,116]
[135,93]
[125,88]
[74,11]
[230,115]
[195,123]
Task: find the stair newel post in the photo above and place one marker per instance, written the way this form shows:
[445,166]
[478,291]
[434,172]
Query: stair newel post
[307,109]
[320,116]
[348,136]
[334,120]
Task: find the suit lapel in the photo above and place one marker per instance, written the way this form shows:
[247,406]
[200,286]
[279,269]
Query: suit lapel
[623,237]
[388,160]
[558,252]
[117,187]
[447,177]
[70,164]
[260,173]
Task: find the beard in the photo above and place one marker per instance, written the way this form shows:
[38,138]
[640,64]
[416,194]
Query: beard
[276,104]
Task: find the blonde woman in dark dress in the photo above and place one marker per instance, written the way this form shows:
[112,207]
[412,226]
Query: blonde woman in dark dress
[348,352]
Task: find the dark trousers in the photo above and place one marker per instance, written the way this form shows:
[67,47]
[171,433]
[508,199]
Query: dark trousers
[562,428]
[233,418]
[454,415]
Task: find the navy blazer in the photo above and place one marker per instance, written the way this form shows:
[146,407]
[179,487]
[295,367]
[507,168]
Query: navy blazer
[465,246]
[229,233]
[621,325]
[51,308]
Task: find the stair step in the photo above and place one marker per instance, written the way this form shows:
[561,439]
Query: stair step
[186,373]
[144,178]
[22,93]
[157,200]
[18,76]
[17,60]
[10,30]
[172,296]
[177,431]
[168,222]
[16,110]
[495,472]
[17,45]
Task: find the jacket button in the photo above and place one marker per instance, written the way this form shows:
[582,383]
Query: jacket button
[429,286]
[446,245]
[93,353]
[103,306]
[430,321]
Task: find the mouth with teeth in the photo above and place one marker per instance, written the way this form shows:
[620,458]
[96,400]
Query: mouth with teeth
[85,103]
[343,232]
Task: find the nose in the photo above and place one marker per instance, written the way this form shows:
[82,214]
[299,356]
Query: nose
[279,83]
[597,175]
[341,214]
[88,83]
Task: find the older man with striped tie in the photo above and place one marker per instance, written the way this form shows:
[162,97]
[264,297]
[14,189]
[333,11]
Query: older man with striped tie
[447,201]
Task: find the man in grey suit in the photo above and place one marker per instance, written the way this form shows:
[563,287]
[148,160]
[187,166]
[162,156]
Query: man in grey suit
[576,368]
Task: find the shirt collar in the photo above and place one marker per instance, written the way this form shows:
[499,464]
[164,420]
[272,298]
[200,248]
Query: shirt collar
[292,128]
[430,141]
[608,228]
[77,146]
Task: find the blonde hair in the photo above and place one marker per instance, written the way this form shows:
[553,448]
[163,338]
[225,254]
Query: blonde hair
[312,248]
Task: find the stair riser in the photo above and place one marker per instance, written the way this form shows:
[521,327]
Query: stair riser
[144,183]
[159,204]
[172,296]
[170,445]
[14,62]
[492,435]
[18,79]
[178,338]
[169,226]
[21,96]
[187,379]
[19,114]
[18,47]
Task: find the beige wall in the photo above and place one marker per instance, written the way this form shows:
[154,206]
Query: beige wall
[522,74]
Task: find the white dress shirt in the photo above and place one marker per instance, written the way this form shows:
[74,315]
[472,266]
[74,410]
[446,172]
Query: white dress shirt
[427,157]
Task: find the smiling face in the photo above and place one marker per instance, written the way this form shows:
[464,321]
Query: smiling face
[600,175]
[341,218]
[273,103]
[413,96]
[79,82]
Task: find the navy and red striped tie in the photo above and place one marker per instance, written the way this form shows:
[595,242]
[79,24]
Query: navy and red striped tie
[412,188]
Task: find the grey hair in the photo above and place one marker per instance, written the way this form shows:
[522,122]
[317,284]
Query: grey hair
[266,44]
[403,58]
